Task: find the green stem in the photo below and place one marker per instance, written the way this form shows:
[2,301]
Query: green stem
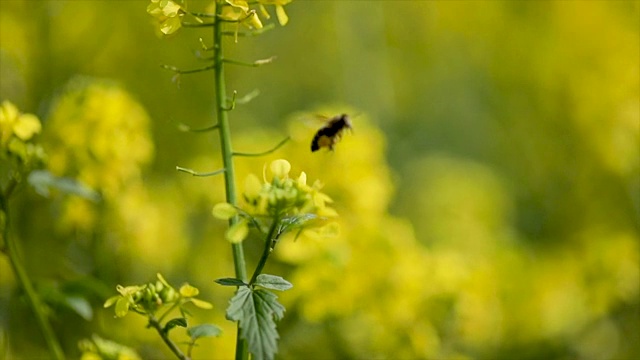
[25,282]
[227,159]
[154,323]
[268,242]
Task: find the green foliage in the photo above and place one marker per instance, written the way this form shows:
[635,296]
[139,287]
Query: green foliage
[182,322]
[230,282]
[43,181]
[257,311]
[272,282]
[203,330]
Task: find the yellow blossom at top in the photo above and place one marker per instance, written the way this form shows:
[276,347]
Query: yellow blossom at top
[239,11]
[283,19]
[168,14]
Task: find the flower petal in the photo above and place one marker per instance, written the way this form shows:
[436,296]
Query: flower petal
[283,19]
[224,211]
[237,232]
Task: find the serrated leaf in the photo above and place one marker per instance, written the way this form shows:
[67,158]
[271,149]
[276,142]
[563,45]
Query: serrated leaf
[256,310]
[204,330]
[270,301]
[230,282]
[273,282]
[182,322]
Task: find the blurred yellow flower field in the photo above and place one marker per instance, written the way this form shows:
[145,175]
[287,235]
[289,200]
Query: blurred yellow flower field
[485,204]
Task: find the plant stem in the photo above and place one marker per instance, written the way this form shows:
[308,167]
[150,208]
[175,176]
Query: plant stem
[227,158]
[268,241]
[25,282]
[154,323]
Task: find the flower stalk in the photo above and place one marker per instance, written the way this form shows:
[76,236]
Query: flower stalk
[227,157]
[11,249]
[155,323]
[268,247]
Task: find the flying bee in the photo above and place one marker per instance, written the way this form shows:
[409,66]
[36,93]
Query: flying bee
[329,135]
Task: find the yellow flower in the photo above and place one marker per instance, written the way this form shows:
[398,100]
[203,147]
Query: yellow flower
[168,14]
[239,11]
[12,122]
[283,19]
[16,132]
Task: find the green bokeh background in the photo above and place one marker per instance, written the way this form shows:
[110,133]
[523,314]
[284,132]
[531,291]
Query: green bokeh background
[489,194]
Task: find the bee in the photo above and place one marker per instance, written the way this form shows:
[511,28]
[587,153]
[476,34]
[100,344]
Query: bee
[329,135]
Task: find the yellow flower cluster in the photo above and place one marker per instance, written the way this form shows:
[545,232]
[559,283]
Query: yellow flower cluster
[99,136]
[168,13]
[240,11]
[284,196]
[281,199]
[16,134]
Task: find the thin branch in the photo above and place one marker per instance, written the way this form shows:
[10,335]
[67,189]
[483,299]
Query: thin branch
[195,173]
[196,25]
[256,32]
[204,15]
[250,96]
[154,323]
[191,71]
[34,301]
[279,145]
[268,242]
[253,64]
[186,128]
[204,46]
[173,307]
[233,102]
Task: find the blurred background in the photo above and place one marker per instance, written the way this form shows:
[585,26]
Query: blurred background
[489,196]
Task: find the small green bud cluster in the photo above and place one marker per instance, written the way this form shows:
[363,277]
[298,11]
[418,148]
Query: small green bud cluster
[148,298]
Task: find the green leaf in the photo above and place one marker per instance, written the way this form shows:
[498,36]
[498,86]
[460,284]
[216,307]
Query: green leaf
[43,181]
[257,310]
[80,306]
[295,222]
[182,322]
[230,282]
[204,330]
[273,282]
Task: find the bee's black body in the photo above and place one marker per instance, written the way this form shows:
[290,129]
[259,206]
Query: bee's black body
[329,135]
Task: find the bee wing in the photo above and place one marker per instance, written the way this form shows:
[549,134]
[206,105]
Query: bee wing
[314,121]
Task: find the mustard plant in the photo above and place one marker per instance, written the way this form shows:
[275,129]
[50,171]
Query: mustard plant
[20,156]
[277,205]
